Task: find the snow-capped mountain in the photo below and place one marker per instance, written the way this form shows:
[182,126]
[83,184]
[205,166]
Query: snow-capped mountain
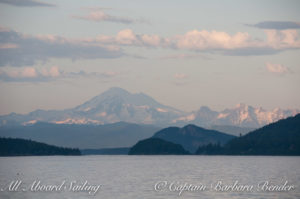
[241,115]
[116,104]
[112,106]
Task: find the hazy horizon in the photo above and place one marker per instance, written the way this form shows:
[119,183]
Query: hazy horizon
[58,54]
[231,107]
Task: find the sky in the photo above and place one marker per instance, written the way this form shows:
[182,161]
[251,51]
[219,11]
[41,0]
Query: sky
[186,54]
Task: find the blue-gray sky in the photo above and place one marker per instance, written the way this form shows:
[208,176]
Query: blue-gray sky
[186,54]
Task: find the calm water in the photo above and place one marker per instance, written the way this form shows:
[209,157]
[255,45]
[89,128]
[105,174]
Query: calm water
[136,176]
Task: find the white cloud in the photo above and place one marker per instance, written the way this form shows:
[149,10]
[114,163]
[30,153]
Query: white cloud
[181,79]
[283,39]
[98,15]
[126,37]
[110,73]
[240,43]
[277,68]
[180,76]
[31,74]
[17,49]
[151,40]
[28,72]
[201,40]
[52,72]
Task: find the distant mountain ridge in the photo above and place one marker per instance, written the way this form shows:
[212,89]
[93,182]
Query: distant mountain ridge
[82,136]
[241,115]
[117,104]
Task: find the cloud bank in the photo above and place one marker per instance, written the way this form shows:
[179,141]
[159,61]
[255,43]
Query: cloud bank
[17,49]
[31,74]
[99,16]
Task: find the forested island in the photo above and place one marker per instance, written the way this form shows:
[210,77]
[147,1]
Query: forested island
[156,146]
[279,138]
[21,147]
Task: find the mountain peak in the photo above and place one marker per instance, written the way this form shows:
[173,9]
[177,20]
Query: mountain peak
[192,136]
[190,126]
[115,90]
[117,104]
[205,109]
[241,105]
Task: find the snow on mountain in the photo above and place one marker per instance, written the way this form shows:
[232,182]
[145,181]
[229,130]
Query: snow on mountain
[241,115]
[116,104]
